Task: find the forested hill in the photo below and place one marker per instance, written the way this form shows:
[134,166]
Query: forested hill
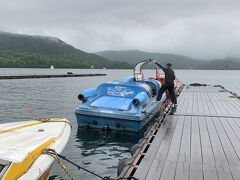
[39,51]
[179,62]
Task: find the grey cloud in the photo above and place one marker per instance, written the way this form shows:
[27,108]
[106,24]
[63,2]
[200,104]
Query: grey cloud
[200,28]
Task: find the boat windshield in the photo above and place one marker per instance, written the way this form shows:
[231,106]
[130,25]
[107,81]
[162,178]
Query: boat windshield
[138,73]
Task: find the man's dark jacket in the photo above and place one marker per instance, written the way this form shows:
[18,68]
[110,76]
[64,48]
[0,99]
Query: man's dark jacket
[169,74]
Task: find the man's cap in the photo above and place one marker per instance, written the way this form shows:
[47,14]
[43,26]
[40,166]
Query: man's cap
[168,64]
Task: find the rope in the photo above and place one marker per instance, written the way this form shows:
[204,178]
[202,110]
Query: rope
[146,114]
[42,119]
[79,167]
[56,156]
[232,93]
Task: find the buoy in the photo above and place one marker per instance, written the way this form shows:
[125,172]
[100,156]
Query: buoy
[122,164]
[134,148]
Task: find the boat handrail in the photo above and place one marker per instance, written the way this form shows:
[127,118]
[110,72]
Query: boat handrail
[138,73]
[4,162]
[4,165]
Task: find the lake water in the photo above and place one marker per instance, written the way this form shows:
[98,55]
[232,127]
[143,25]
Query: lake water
[57,97]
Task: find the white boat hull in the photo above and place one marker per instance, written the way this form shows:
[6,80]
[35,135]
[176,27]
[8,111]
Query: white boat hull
[22,145]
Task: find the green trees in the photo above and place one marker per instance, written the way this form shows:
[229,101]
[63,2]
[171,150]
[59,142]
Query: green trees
[18,51]
[24,51]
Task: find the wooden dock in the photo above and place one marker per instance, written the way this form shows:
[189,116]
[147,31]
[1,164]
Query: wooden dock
[201,141]
[48,76]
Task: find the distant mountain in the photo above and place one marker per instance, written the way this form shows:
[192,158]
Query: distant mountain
[224,64]
[179,61]
[38,51]
[133,56]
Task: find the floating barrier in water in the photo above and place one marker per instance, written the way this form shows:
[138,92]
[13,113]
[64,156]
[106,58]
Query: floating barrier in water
[48,76]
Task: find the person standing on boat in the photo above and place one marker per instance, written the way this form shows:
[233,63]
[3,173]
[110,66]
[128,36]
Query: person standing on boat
[169,83]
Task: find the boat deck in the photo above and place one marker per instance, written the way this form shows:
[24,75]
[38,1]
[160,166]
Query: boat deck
[201,141]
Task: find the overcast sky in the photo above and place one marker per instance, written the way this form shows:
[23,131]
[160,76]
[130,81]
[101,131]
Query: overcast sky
[197,28]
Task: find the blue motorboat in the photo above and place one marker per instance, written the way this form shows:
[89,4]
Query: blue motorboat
[127,104]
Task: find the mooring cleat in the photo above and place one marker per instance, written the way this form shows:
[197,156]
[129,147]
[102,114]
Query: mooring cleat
[171,113]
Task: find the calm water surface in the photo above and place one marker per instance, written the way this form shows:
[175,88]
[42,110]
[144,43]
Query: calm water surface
[57,97]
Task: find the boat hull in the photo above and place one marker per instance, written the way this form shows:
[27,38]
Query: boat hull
[115,121]
[126,104]
[46,174]
[23,143]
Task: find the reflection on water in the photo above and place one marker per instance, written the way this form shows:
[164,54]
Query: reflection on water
[105,146]
[93,138]
[98,151]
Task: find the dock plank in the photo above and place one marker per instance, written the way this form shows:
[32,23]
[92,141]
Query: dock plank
[218,100]
[224,173]
[196,154]
[204,104]
[184,154]
[235,171]
[207,151]
[163,150]
[184,102]
[195,171]
[187,101]
[182,171]
[175,146]
[142,171]
[219,154]
[235,107]
[235,127]
[236,104]
[201,109]
[209,172]
[230,131]
[155,170]
[169,170]
[213,106]
[200,142]
[195,104]
[226,143]
[162,133]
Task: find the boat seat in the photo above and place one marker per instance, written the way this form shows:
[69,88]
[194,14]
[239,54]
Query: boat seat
[154,86]
[111,102]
